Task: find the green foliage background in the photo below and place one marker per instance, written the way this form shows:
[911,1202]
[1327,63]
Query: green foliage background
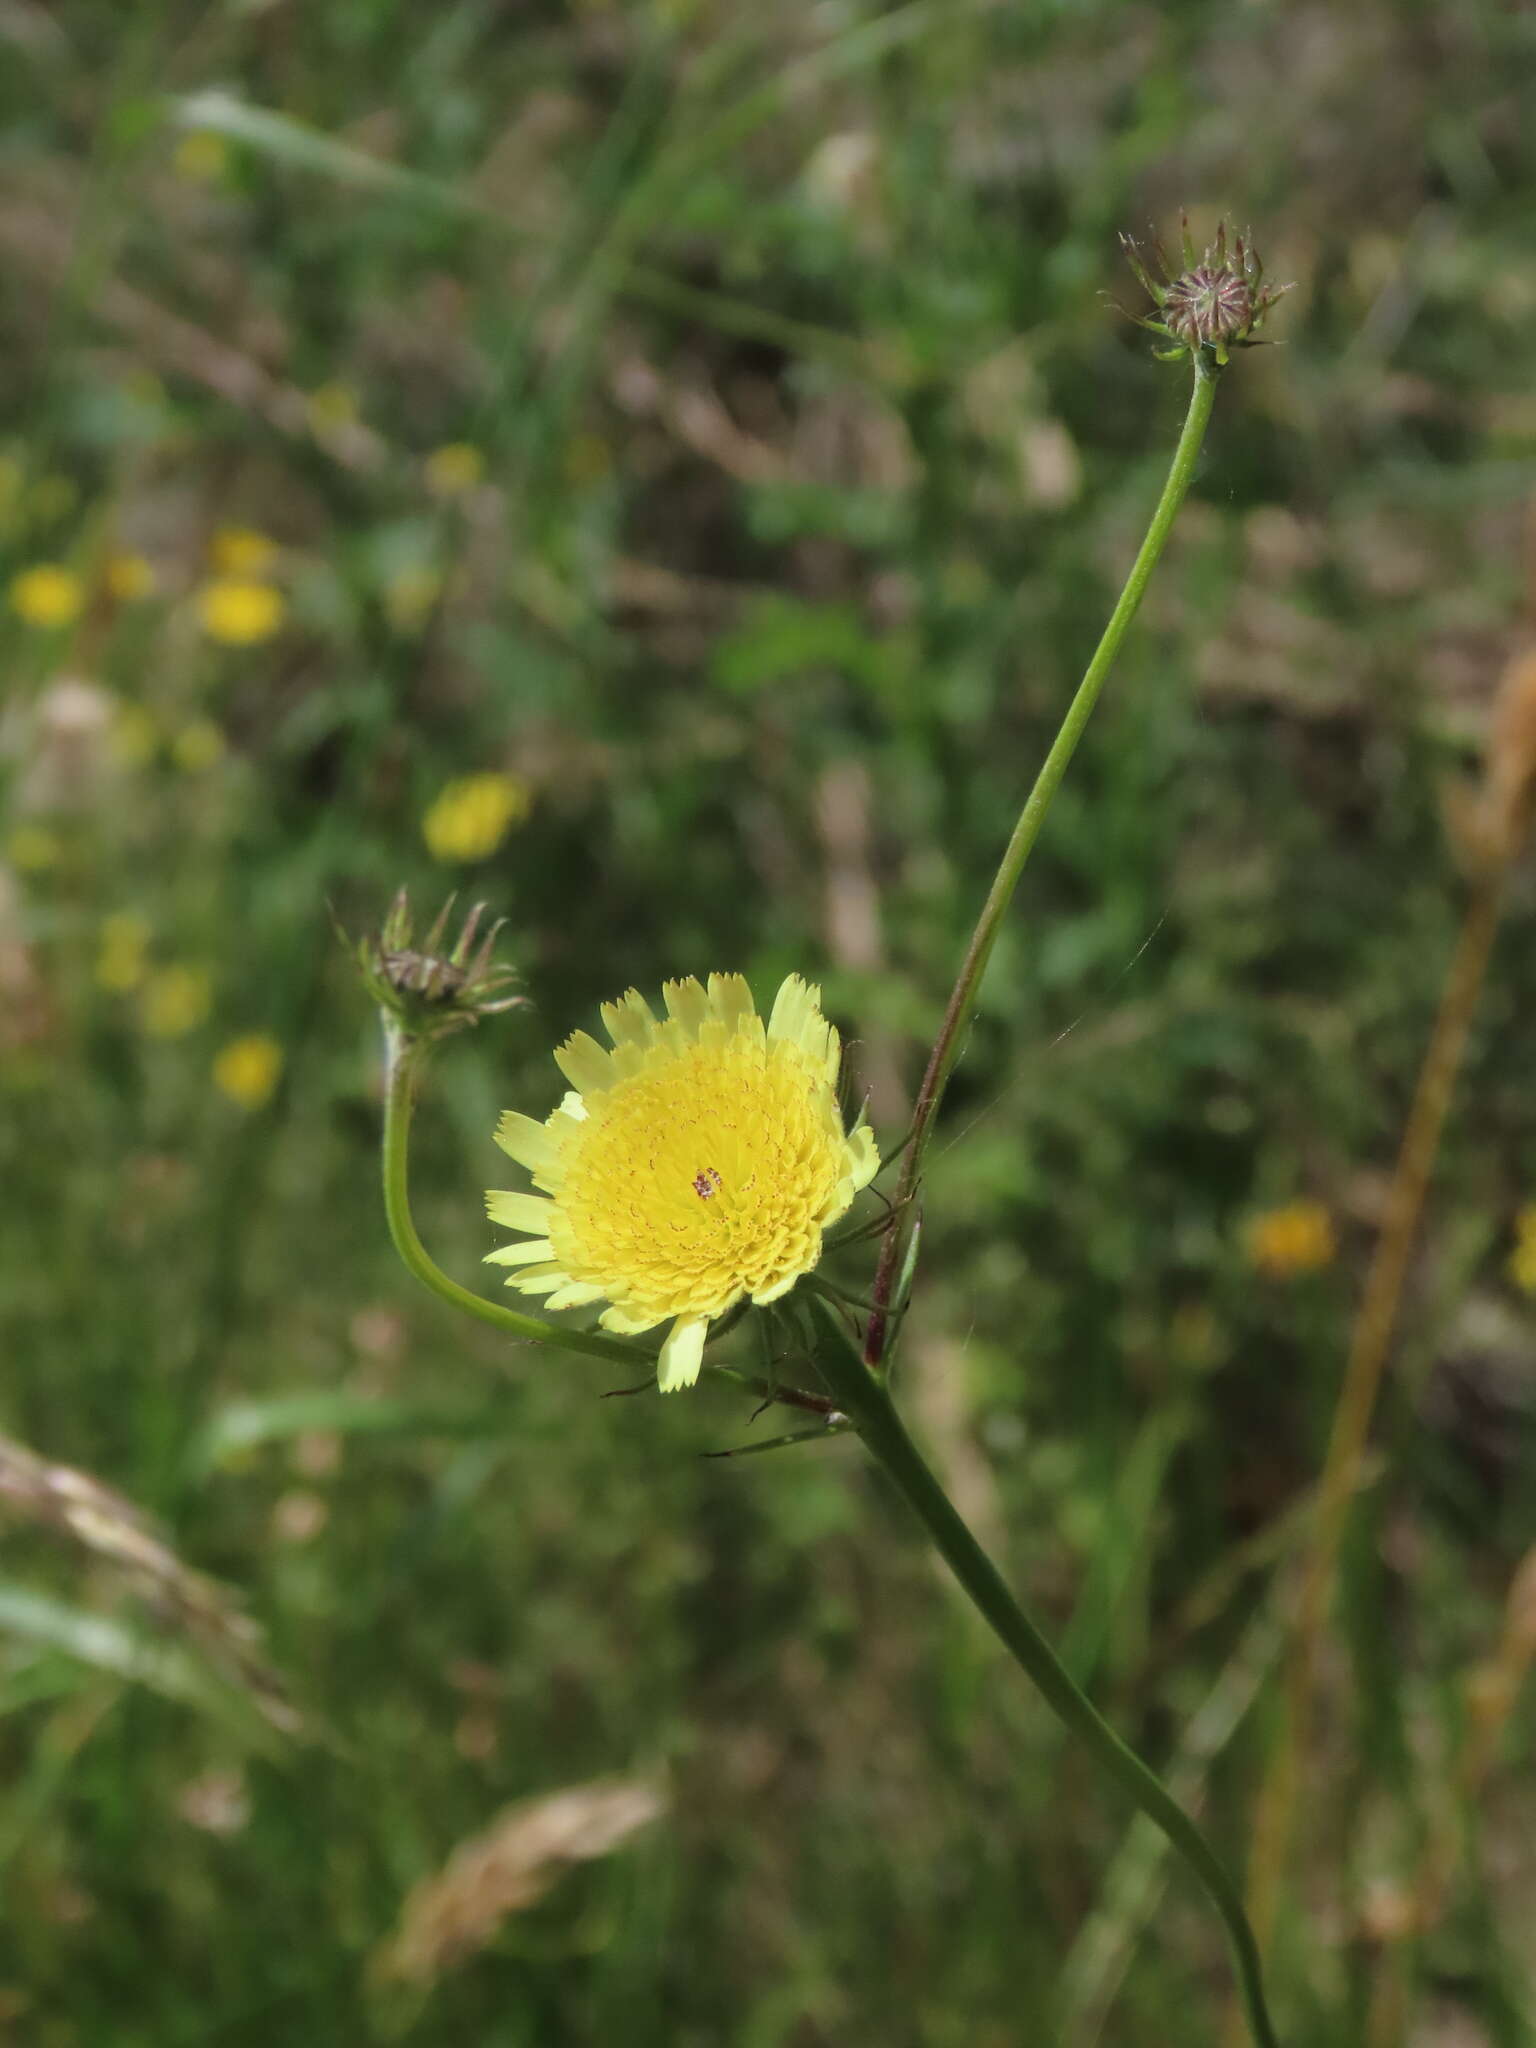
[814,456]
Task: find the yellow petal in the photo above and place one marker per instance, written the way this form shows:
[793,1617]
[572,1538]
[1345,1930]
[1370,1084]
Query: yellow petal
[686,1002]
[539,1279]
[682,1354]
[530,1144]
[519,1212]
[864,1156]
[623,1324]
[731,1001]
[585,1064]
[574,1295]
[629,1020]
[523,1253]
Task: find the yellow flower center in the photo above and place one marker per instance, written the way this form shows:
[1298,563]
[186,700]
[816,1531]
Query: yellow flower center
[700,1179]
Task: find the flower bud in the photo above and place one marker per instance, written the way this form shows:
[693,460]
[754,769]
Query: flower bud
[427,990]
[1213,302]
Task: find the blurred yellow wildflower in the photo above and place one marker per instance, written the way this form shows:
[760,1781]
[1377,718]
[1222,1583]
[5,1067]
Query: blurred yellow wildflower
[1296,1238]
[248,1069]
[47,595]
[470,818]
[410,595]
[451,470]
[1522,1260]
[330,406]
[201,157]
[238,613]
[697,1163]
[242,551]
[197,746]
[120,960]
[134,735]
[32,848]
[175,1001]
[129,576]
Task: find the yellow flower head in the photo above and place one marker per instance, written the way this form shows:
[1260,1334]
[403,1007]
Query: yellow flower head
[1298,1238]
[121,964]
[239,613]
[331,407]
[47,595]
[470,818]
[129,576]
[197,746]
[201,157]
[1522,1260]
[175,1001]
[697,1163]
[247,1069]
[242,551]
[454,469]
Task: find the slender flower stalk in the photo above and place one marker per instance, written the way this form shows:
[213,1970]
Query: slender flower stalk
[864,1397]
[962,1001]
[402,1063]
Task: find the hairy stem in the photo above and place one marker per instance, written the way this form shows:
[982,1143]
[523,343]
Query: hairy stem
[962,1001]
[863,1396]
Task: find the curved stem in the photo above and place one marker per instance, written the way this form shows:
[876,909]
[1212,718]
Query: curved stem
[962,1001]
[402,1061]
[865,1399]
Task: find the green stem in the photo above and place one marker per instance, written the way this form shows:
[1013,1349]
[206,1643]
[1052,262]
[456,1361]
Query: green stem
[962,1001]
[402,1063]
[865,1399]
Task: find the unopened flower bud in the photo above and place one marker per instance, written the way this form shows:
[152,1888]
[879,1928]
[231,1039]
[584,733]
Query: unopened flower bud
[1213,302]
[432,989]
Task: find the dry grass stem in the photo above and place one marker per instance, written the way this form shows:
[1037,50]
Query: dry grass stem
[454,1913]
[106,1526]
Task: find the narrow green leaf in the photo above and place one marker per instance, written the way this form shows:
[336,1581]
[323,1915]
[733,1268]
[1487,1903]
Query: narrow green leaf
[106,1644]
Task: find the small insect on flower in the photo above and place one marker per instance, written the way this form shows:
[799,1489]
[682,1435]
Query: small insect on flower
[695,1165]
